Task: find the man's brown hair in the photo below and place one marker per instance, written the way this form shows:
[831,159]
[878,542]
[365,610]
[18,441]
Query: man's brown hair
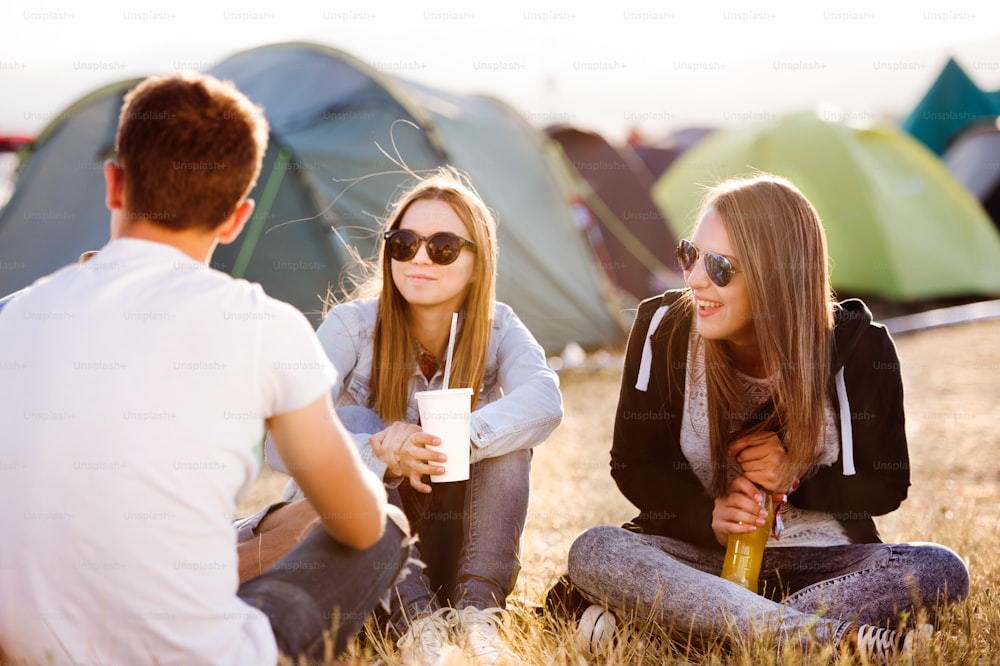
[191,149]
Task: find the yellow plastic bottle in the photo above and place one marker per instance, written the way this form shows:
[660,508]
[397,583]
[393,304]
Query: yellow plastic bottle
[744,552]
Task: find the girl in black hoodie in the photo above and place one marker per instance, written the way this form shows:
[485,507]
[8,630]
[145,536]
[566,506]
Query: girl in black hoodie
[752,381]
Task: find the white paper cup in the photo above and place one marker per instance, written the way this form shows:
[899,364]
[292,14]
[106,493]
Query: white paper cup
[445,413]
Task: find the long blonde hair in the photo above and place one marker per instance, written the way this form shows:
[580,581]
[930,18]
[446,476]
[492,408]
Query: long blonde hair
[780,244]
[395,347]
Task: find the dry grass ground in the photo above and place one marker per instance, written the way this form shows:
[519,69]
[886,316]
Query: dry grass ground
[952,382]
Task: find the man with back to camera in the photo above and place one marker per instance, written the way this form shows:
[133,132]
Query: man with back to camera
[136,388]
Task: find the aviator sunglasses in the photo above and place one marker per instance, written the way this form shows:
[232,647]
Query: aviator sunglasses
[443,247]
[718,267]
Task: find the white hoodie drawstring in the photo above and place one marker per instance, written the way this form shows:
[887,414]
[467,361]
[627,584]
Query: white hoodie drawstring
[645,365]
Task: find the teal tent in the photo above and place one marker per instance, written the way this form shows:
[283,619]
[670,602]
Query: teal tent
[952,103]
[898,225]
[345,139]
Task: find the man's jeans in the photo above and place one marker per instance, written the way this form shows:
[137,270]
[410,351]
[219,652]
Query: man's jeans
[322,586]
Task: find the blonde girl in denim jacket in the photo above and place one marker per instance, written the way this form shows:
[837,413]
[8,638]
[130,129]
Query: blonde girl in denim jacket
[389,341]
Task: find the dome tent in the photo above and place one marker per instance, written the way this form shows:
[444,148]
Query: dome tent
[953,102]
[326,181]
[637,240]
[898,225]
[974,159]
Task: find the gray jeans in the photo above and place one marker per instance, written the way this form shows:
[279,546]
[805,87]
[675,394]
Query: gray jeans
[468,533]
[807,591]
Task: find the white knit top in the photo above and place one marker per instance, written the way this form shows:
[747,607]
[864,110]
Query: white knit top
[802,527]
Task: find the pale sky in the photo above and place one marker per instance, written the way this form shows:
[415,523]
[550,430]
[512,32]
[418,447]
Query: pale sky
[656,65]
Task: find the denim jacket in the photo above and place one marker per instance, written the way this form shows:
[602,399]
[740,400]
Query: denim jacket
[518,407]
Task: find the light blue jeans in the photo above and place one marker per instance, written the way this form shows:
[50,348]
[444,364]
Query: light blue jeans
[469,537]
[819,590]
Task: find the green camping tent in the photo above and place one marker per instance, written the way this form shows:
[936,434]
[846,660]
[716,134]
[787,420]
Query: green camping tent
[899,226]
[952,103]
[345,139]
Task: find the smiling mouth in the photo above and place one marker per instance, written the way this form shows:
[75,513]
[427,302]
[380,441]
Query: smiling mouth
[708,305]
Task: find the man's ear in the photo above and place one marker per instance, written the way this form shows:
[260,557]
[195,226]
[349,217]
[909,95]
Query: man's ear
[231,228]
[114,185]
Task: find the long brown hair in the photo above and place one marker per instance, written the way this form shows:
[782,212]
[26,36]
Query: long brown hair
[394,353]
[780,243]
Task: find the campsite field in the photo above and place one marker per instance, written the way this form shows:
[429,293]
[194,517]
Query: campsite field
[952,383]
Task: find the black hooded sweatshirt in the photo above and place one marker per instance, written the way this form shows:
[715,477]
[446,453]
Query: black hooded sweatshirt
[872,472]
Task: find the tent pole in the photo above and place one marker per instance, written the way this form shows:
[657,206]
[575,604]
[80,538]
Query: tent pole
[260,214]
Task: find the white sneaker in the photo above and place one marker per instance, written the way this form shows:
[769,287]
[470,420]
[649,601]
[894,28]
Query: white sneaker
[876,645]
[428,638]
[596,628]
[481,629]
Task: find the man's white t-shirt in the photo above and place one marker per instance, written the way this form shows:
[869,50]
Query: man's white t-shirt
[133,393]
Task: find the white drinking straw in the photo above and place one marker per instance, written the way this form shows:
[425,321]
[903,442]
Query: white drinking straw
[451,347]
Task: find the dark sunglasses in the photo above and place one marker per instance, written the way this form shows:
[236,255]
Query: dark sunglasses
[718,267]
[443,247]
